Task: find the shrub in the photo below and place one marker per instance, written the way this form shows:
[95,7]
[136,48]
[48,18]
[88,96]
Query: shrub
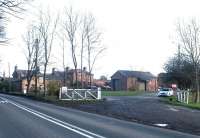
[53,88]
[4,86]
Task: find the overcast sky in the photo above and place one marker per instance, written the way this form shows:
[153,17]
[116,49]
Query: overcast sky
[138,34]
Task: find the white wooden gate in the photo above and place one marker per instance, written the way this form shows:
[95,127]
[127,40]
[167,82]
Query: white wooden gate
[183,96]
[79,94]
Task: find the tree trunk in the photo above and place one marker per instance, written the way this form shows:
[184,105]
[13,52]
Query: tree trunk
[28,86]
[36,84]
[28,80]
[197,84]
[81,77]
[76,77]
[90,80]
[82,67]
[44,79]
[64,80]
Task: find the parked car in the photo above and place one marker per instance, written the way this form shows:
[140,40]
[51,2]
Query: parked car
[166,92]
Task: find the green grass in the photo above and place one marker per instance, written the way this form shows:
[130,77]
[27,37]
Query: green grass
[54,99]
[173,101]
[121,93]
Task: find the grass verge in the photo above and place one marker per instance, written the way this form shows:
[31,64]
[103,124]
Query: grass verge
[173,101]
[55,100]
[121,93]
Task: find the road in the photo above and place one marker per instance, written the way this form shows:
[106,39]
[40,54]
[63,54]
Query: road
[148,109]
[22,118]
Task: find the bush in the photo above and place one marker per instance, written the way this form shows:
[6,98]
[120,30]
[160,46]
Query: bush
[53,88]
[4,86]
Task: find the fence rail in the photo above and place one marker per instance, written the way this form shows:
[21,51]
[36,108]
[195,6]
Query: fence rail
[183,96]
[79,94]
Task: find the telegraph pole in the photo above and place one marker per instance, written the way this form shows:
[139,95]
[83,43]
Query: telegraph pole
[179,56]
[9,77]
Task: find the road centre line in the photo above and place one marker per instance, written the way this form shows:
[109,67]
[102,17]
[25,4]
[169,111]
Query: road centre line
[66,125]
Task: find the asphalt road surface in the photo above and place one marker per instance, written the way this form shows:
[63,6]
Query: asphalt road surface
[25,118]
[148,109]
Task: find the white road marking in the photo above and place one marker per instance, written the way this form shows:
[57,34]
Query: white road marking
[66,125]
[3,102]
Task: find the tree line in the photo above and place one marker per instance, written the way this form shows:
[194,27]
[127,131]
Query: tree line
[184,67]
[77,31]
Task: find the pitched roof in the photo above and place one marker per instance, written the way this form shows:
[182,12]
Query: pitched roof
[137,74]
[79,71]
[57,75]
[22,73]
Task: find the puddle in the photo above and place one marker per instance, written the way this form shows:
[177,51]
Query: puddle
[173,109]
[161,125]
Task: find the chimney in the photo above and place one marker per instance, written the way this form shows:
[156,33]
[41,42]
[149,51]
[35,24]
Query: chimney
[84,68]
[53,71]
[37,69]
[15,67]
[4,75]
[67,69]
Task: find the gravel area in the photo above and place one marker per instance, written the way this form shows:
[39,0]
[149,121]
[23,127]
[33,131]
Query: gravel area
[148,109]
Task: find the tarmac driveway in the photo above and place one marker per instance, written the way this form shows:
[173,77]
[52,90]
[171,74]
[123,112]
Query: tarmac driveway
[148,109]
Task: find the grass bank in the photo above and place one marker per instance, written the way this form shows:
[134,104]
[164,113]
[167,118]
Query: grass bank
[173,101]
[121,93]
[54,99]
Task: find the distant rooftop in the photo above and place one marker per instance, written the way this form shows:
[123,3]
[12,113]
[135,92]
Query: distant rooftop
[138,74]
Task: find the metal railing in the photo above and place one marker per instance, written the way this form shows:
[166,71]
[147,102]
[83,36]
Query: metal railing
[79,94]
[183,96]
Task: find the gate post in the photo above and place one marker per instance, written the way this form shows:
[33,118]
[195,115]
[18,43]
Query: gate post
[188,95]
[60,93]
[99,93]
[178,96]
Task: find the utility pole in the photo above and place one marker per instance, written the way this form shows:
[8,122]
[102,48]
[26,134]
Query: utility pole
[64,79]
[179,62]
[9,76]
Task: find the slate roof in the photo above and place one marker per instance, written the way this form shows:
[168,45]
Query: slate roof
[137,74]
[57,75]
[21,73]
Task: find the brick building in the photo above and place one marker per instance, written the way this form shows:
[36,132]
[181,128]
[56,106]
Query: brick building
[68,77]
[133,80]
[19,80]
[63,78]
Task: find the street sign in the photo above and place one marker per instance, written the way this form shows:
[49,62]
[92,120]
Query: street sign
[174,86]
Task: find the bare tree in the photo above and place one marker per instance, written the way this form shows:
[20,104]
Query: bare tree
[13,7]
[38,59]
[62,43]
[93,41]
[29,39]
[9,4]
[47,28]
[189,34]
[83,44]
[71,25]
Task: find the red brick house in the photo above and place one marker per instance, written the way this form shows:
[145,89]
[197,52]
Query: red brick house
[133,80]
[69,76]
[66,78]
